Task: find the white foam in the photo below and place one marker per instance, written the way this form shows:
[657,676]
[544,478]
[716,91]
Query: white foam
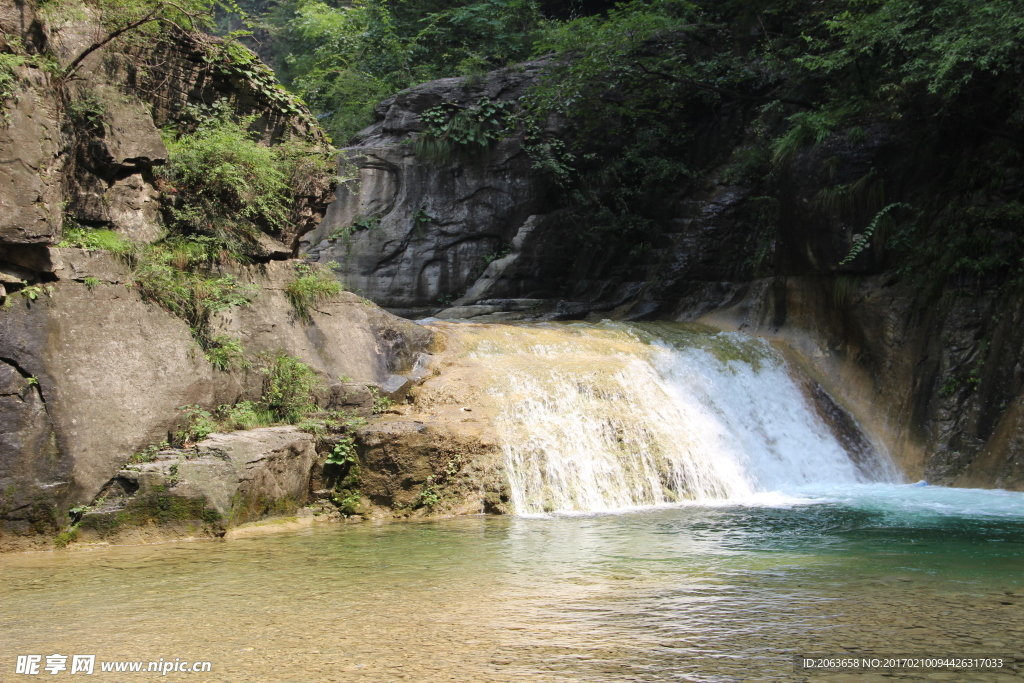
[653,425]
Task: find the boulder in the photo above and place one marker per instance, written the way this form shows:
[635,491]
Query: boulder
[96,374]
[225,480]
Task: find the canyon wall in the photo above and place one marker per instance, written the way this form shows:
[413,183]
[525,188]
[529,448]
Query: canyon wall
[933,372]
[91,372]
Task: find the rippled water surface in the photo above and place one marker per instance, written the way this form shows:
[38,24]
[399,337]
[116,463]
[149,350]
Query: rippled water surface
[691,593]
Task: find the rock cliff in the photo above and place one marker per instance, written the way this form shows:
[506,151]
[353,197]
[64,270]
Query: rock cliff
[410,234]
[933,369]
[91,372]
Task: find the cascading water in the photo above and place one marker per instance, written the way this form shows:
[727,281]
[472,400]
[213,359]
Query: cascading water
[612,416]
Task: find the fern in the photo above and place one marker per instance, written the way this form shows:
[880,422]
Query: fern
[865,237]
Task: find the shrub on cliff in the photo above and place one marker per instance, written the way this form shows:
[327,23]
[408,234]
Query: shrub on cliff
[225,184]
[290,387]
[178,274]
[312,285]
[89,238]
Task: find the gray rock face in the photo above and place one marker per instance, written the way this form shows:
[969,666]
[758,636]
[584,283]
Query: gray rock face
[114,163]
[90,374]
[109,373]
[240,475]
[223,481]
[32,157]
[85,148]
[113,372]
[535,266]
[348,337]
[28,439]
[439,226]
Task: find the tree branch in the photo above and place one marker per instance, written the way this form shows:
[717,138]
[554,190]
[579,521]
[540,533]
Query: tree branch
[151,16]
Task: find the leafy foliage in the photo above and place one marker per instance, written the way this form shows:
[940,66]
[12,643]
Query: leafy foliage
[290,387]
[226,184]
[343,452]
[381,402]
[226,353]
[28,293]
[9,79]
[244,415]
[343,58]
[199,424]
[89,238]
[903,49]
[864,239]
[231,58]
[462,133]
[476,37]
[640,83]
[312,285]
[131,23]
[290,392]
[179,275]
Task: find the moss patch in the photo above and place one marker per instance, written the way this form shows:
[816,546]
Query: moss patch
[153,509]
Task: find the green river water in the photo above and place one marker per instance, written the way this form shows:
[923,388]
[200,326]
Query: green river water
[680,593]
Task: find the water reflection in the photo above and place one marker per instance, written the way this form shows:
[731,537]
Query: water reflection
[689,593]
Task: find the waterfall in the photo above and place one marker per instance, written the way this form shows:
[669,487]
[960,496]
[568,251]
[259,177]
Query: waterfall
[612,416]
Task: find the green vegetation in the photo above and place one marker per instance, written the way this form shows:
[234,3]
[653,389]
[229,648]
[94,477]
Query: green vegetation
[420,220]
[199,424]
[462,133]
[225,189]
[93,238]
[640,83]
[11,75]
[10,82]
[149,453]
[244,415]
[86,113]
[130,23]
[226,353]
[381,403]
[180,274]
[432,492]
[225,184]
[342,470]
[864,239]
[343,452]
[27,292]
[312,285]
[342,58]
[290,388]
[429,495]
[66,537]
[290,395]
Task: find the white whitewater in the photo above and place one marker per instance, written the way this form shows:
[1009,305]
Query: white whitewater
[612,416]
